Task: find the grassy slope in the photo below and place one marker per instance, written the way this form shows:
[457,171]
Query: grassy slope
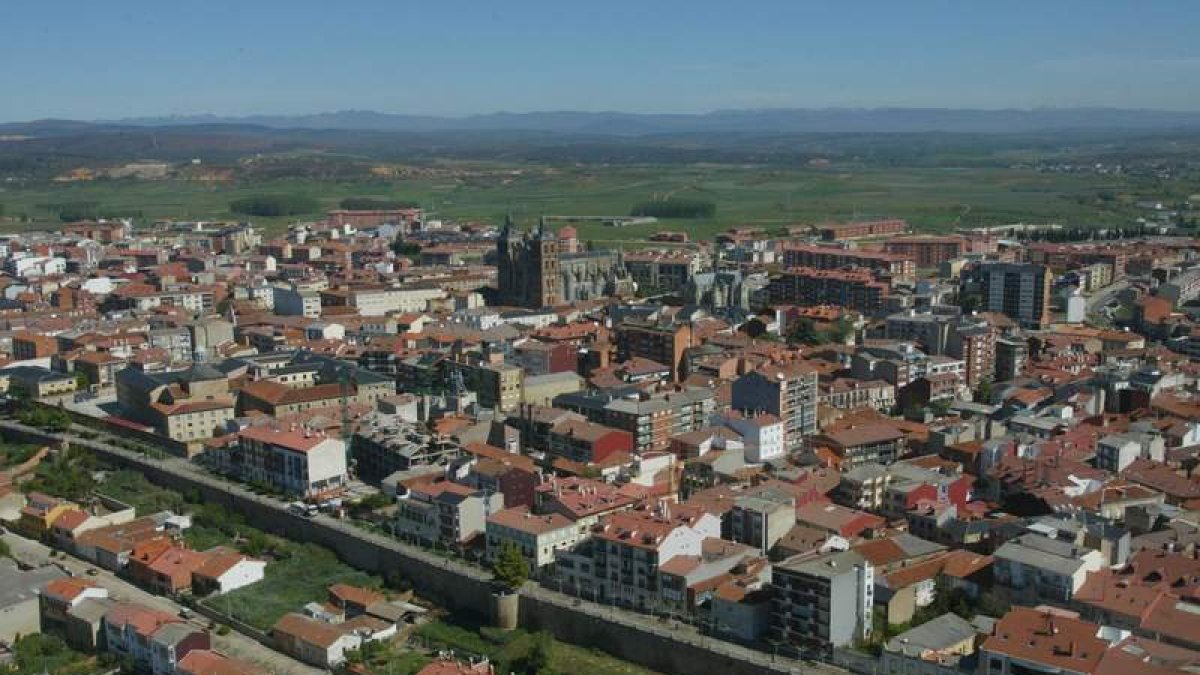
[499,646]
[932,199]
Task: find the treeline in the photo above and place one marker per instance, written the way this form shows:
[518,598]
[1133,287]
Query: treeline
[374,204]
[675,207]
[69,212]
[274,205]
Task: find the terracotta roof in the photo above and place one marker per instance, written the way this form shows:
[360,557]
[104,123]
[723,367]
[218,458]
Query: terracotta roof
[355,594]
[521,519]
[144,619]
[207,662]
[218,561]
[1140,655]
[307,630]
[1047,639]
[298,439]
[70,519]
[69,588]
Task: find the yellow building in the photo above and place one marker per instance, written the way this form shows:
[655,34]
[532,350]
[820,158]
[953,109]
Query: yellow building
[40,512]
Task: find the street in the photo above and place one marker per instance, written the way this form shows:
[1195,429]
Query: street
[234,644]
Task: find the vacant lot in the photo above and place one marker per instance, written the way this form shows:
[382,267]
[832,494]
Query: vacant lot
[298,574]
[933,199]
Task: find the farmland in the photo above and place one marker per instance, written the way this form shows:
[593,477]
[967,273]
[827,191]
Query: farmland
[932,199]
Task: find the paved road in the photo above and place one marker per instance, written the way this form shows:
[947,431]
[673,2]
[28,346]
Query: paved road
[1097,300]
[234,644]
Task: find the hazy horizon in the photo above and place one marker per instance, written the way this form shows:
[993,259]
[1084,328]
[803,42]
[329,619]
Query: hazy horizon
[96,61]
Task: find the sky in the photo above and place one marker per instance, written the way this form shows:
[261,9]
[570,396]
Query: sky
[130,58]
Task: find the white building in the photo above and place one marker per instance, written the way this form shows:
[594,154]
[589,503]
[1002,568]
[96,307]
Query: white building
[295,459]
[1037,568]
[1116,452]
[29,267]
[762,434]
[623,560]
[227,570]
[825,598]
[377,302]
[537,536]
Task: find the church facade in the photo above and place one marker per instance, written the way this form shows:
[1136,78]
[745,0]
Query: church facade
[543,269]
[527,267]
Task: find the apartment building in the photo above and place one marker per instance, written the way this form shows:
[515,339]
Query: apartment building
[587,442]
[788,391]
[1020,291]
[445,513]
[666,270]
[822,600]
[878,443]
[831,258]
[863,228]
[762,519]
[661,343]
[622,561]
[497,385]
[927,251]
[539,537]
[1037,568]
[293,459]
[855,289]
[974,341]
[652,418]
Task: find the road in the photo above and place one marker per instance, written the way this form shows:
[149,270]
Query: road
[1097,301]
[234,644]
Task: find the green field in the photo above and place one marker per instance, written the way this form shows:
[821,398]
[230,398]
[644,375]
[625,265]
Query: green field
[508,647]
[932,199]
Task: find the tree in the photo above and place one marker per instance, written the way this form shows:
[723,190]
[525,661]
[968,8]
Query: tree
[374,204]
[405,248]
[510,569]
[805,330]
[983,393]
[840,331]
[537,659]
[274,205]
[81,381]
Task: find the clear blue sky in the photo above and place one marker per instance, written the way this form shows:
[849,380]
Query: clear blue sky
[103,60]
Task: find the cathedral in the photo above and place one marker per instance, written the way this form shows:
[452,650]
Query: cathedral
[527,267]
[544,269]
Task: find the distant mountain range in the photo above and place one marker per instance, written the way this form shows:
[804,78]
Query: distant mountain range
[829,120]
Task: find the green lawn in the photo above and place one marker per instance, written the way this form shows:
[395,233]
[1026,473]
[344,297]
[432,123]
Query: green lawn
[132,488]
[932,199]
[506,647]
[296,573]
[303,574]
[48,655]
[12,454]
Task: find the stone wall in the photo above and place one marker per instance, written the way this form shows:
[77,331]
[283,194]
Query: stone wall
[451,584]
